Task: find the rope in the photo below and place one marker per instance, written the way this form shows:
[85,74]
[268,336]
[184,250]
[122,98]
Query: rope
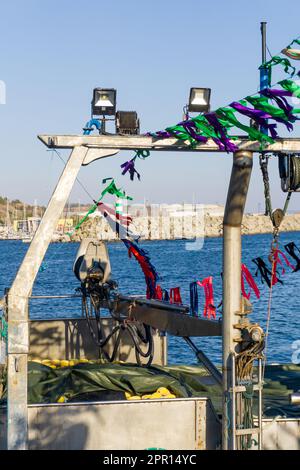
[77,179]
[263,161]
[273,244]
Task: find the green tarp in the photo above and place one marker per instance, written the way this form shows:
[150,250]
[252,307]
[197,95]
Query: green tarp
[110,381]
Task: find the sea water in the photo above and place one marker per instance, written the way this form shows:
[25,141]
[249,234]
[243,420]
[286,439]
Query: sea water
[177,266]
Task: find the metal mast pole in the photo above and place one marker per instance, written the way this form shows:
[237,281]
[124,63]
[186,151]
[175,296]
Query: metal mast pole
[264,72]
[264,83]
[263,29]
[232,248]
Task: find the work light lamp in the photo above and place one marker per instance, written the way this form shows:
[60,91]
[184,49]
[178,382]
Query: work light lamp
[127,122]
[199,101]
[104,102]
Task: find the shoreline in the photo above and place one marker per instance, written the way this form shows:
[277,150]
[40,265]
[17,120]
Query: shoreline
[179,228]
[175,228]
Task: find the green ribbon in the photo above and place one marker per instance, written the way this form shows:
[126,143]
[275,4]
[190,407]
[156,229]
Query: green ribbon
[295,41]
[291,86]
[110,189]
[143,154]
[276,60]
[90,211]
[228,119]
[179,132]
[261,102]
[204,127]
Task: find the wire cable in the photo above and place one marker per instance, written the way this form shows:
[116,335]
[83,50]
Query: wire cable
[77,179]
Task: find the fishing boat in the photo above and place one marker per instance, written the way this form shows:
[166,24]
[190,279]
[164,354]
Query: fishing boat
[111,386]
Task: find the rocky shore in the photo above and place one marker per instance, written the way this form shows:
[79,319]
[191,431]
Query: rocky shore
[176,227]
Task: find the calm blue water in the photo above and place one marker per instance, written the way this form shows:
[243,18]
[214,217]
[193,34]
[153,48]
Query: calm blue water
[177,267]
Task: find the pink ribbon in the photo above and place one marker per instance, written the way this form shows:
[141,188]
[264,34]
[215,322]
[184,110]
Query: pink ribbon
[209,308]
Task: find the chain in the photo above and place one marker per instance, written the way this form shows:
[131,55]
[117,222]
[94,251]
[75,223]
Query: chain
[263,161]
[276,221]
[276,218]
[274,246]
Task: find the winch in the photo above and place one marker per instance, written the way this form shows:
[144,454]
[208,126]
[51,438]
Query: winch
[92,268]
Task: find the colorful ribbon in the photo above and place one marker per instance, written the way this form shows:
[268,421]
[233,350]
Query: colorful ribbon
[276,60]
[175,296]
[148,269]
[209,308]
[291,86]
[129,166]
[263,271]
[277,261]
[194,298]
[247,276]
[111,189]
[123,219]
[291,250]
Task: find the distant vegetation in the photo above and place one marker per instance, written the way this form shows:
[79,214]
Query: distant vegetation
[16,209]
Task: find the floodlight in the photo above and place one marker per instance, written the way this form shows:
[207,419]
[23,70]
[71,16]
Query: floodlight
[104,102]
[199,101]
[127,122]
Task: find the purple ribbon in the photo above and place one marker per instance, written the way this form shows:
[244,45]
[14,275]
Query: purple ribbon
[279,97]
[160,134]
[260,117]
[223,141]
[191,128]
[129,167]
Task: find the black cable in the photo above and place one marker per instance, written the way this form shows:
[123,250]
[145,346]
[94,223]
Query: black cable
[92,309]
[77,179]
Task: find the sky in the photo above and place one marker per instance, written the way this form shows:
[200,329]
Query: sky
[54,52]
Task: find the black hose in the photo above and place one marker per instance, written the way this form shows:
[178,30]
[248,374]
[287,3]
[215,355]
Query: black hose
[134,331]
[148,340]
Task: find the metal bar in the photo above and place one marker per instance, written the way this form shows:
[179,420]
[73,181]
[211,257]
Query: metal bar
[263,28]
[18,327]
[264,72]
[260,406]
[209,366]
[66,296]
[234,210]
[288,145]
[233,399]
[246,432]
[242,388]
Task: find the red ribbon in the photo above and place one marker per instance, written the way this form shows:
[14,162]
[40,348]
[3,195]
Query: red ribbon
[276,260]
[158,293]
[247,276]
[124,219]
[145,268]
[209,308]
[175,297]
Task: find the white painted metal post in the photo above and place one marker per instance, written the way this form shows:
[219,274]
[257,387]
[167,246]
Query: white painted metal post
[18,331]
[234,210]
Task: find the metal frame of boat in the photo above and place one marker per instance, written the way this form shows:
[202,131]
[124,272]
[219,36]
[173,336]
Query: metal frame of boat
[86,149]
